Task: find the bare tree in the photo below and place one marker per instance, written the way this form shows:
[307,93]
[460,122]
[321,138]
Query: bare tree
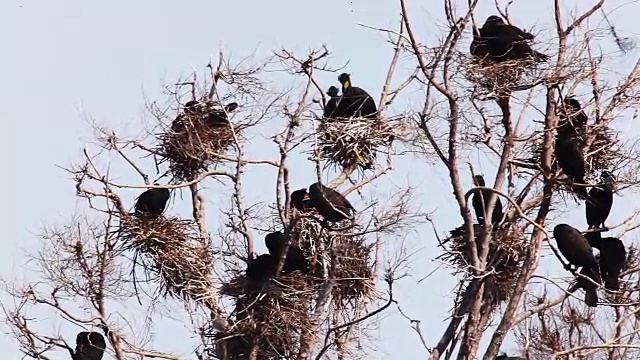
[94,269]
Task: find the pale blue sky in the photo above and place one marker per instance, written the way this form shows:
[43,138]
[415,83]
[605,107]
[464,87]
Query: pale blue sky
[66,59]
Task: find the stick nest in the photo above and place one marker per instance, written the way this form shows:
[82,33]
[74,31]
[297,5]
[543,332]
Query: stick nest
[171,251]
[503,77]
[504,262]
[193,144]
[353,143]
[346,255]
[268,319]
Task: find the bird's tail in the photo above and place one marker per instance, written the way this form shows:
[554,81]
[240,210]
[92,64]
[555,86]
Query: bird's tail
[538,56]
[581,191]
[591,297]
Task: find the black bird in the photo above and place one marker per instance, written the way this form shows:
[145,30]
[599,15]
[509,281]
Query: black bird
[612,259]
[332,104]
[294,261]
[573,114]
[330,203]
[355,102]
[600,201]
[218,117]
[262,268]
[590,289]
[573,246]
[500,42]
[190,108]
[152,202]
[89,346]
[570,158]
[481,200]
[300,200]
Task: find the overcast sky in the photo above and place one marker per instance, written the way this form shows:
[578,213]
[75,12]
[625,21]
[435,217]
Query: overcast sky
[66,60]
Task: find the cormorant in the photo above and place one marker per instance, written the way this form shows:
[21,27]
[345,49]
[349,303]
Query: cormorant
[573,246]
[612,258]
[218,117]
[89,346]
[332,104]
[262,267]
[574,114]
[598,205]
[500,42]
[355,102]
[330,203]
[590,289]
[569,156]
[152,202]
[481,200]
[190,108]
[294,261]
[300,200]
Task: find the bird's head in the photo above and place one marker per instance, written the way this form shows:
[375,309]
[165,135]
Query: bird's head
[231,106]
[345,80]
[333,91]
[494,20]
[190,106]
[572,103]
[274,241]
[479,180]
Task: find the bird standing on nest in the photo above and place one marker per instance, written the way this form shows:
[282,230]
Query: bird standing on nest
[499,42]
[219,117]
[355,102]
[569,156]
[332,105]
[598,205]
[294,260]
[330,203]
[89,346]
[481,200]
[261,268]
[151,203]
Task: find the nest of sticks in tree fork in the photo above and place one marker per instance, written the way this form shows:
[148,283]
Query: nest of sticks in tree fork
[504,262]
[268,319]
[340,255]
[503,77]
[196,139]
[171,251]
[353,143]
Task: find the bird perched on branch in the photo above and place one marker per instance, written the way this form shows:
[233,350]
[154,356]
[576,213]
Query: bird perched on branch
[598,206]
[89,346]
[151,203]
[612,258]
[330,203]
[332,105]
[499,41]
[573,114]
[569,156]
[294,260]
[481,200]
[573,246]
[219,117]
[355,102]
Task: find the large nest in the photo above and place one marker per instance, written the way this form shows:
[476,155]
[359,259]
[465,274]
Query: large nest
[504,262]
[171,251]
[504,77]
[193,143]
[346,256]
[354,143]
[269,319]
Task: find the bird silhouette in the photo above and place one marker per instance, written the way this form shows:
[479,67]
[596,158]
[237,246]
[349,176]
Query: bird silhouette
[294,260]
[481,200]
[570,158]
[330,109]
[612,258]
[355,102]
[600,200]
[151,203]
[330,203]
[89,346]
[499,42]
[573,246]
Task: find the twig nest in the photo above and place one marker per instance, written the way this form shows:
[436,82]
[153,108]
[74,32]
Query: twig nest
[268,320]
[503,77]
[507,251]
[171,251]
[196,139]
[346,256]
[353,143]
